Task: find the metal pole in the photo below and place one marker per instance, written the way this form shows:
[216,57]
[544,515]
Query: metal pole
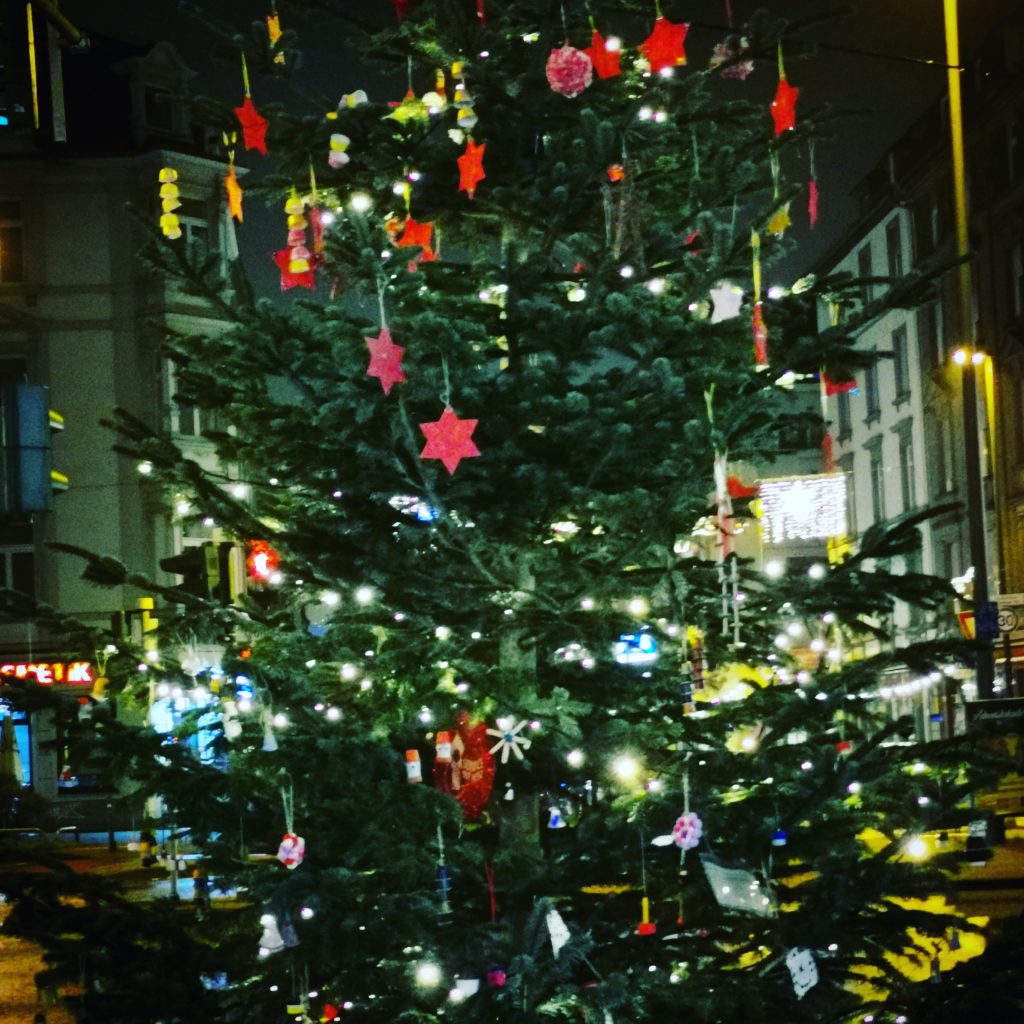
[985,668]
[972,448]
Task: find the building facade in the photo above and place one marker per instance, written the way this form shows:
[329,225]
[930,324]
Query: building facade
[81,318]
[900,436]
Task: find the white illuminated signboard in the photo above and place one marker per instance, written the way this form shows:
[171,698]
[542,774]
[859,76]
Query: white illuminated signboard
[803,507]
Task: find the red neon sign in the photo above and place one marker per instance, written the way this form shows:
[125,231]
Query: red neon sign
[46,673]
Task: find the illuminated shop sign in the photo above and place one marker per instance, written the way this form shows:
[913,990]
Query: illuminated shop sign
[47,673]
[803,507]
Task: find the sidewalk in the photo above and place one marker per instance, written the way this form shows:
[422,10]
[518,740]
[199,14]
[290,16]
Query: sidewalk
[19,998]
[21,960]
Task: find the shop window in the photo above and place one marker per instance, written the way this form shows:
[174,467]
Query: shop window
[197,710]
[22,740]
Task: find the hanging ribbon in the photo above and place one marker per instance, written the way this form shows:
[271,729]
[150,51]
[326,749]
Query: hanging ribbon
[826,387]
[443,877]
[489,872]
[760,331]
[646,926]
[288,802]
[812,189]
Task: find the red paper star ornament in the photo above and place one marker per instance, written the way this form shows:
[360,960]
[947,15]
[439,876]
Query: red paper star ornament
[385,360]
[289,279]
[663,48]
[419,234]
[254,126]
[471,167]
[607,62]
[784,106]
[449,439]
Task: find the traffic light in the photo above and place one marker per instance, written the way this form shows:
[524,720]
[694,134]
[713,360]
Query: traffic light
[209,570]
[194,565]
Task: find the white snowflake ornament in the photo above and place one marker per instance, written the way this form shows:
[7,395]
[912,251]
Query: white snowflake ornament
[509,739]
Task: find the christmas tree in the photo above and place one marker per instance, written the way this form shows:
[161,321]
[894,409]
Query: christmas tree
[503,728]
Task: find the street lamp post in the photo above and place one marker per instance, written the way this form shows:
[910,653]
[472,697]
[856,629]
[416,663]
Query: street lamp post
[985,670]
[969,363]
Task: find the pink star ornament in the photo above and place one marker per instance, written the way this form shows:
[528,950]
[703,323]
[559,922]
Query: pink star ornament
[449,439]
[385,360]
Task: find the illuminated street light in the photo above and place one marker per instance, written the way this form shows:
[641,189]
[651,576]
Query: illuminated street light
[972,449]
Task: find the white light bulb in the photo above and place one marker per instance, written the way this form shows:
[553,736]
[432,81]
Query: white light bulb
[364,595]
[575,758]
[280,720]
[428,974]
[360,202]
[626,767]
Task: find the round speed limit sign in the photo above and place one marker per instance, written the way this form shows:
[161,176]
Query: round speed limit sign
[1007,620]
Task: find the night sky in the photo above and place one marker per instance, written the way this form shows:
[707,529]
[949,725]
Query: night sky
[870,60]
